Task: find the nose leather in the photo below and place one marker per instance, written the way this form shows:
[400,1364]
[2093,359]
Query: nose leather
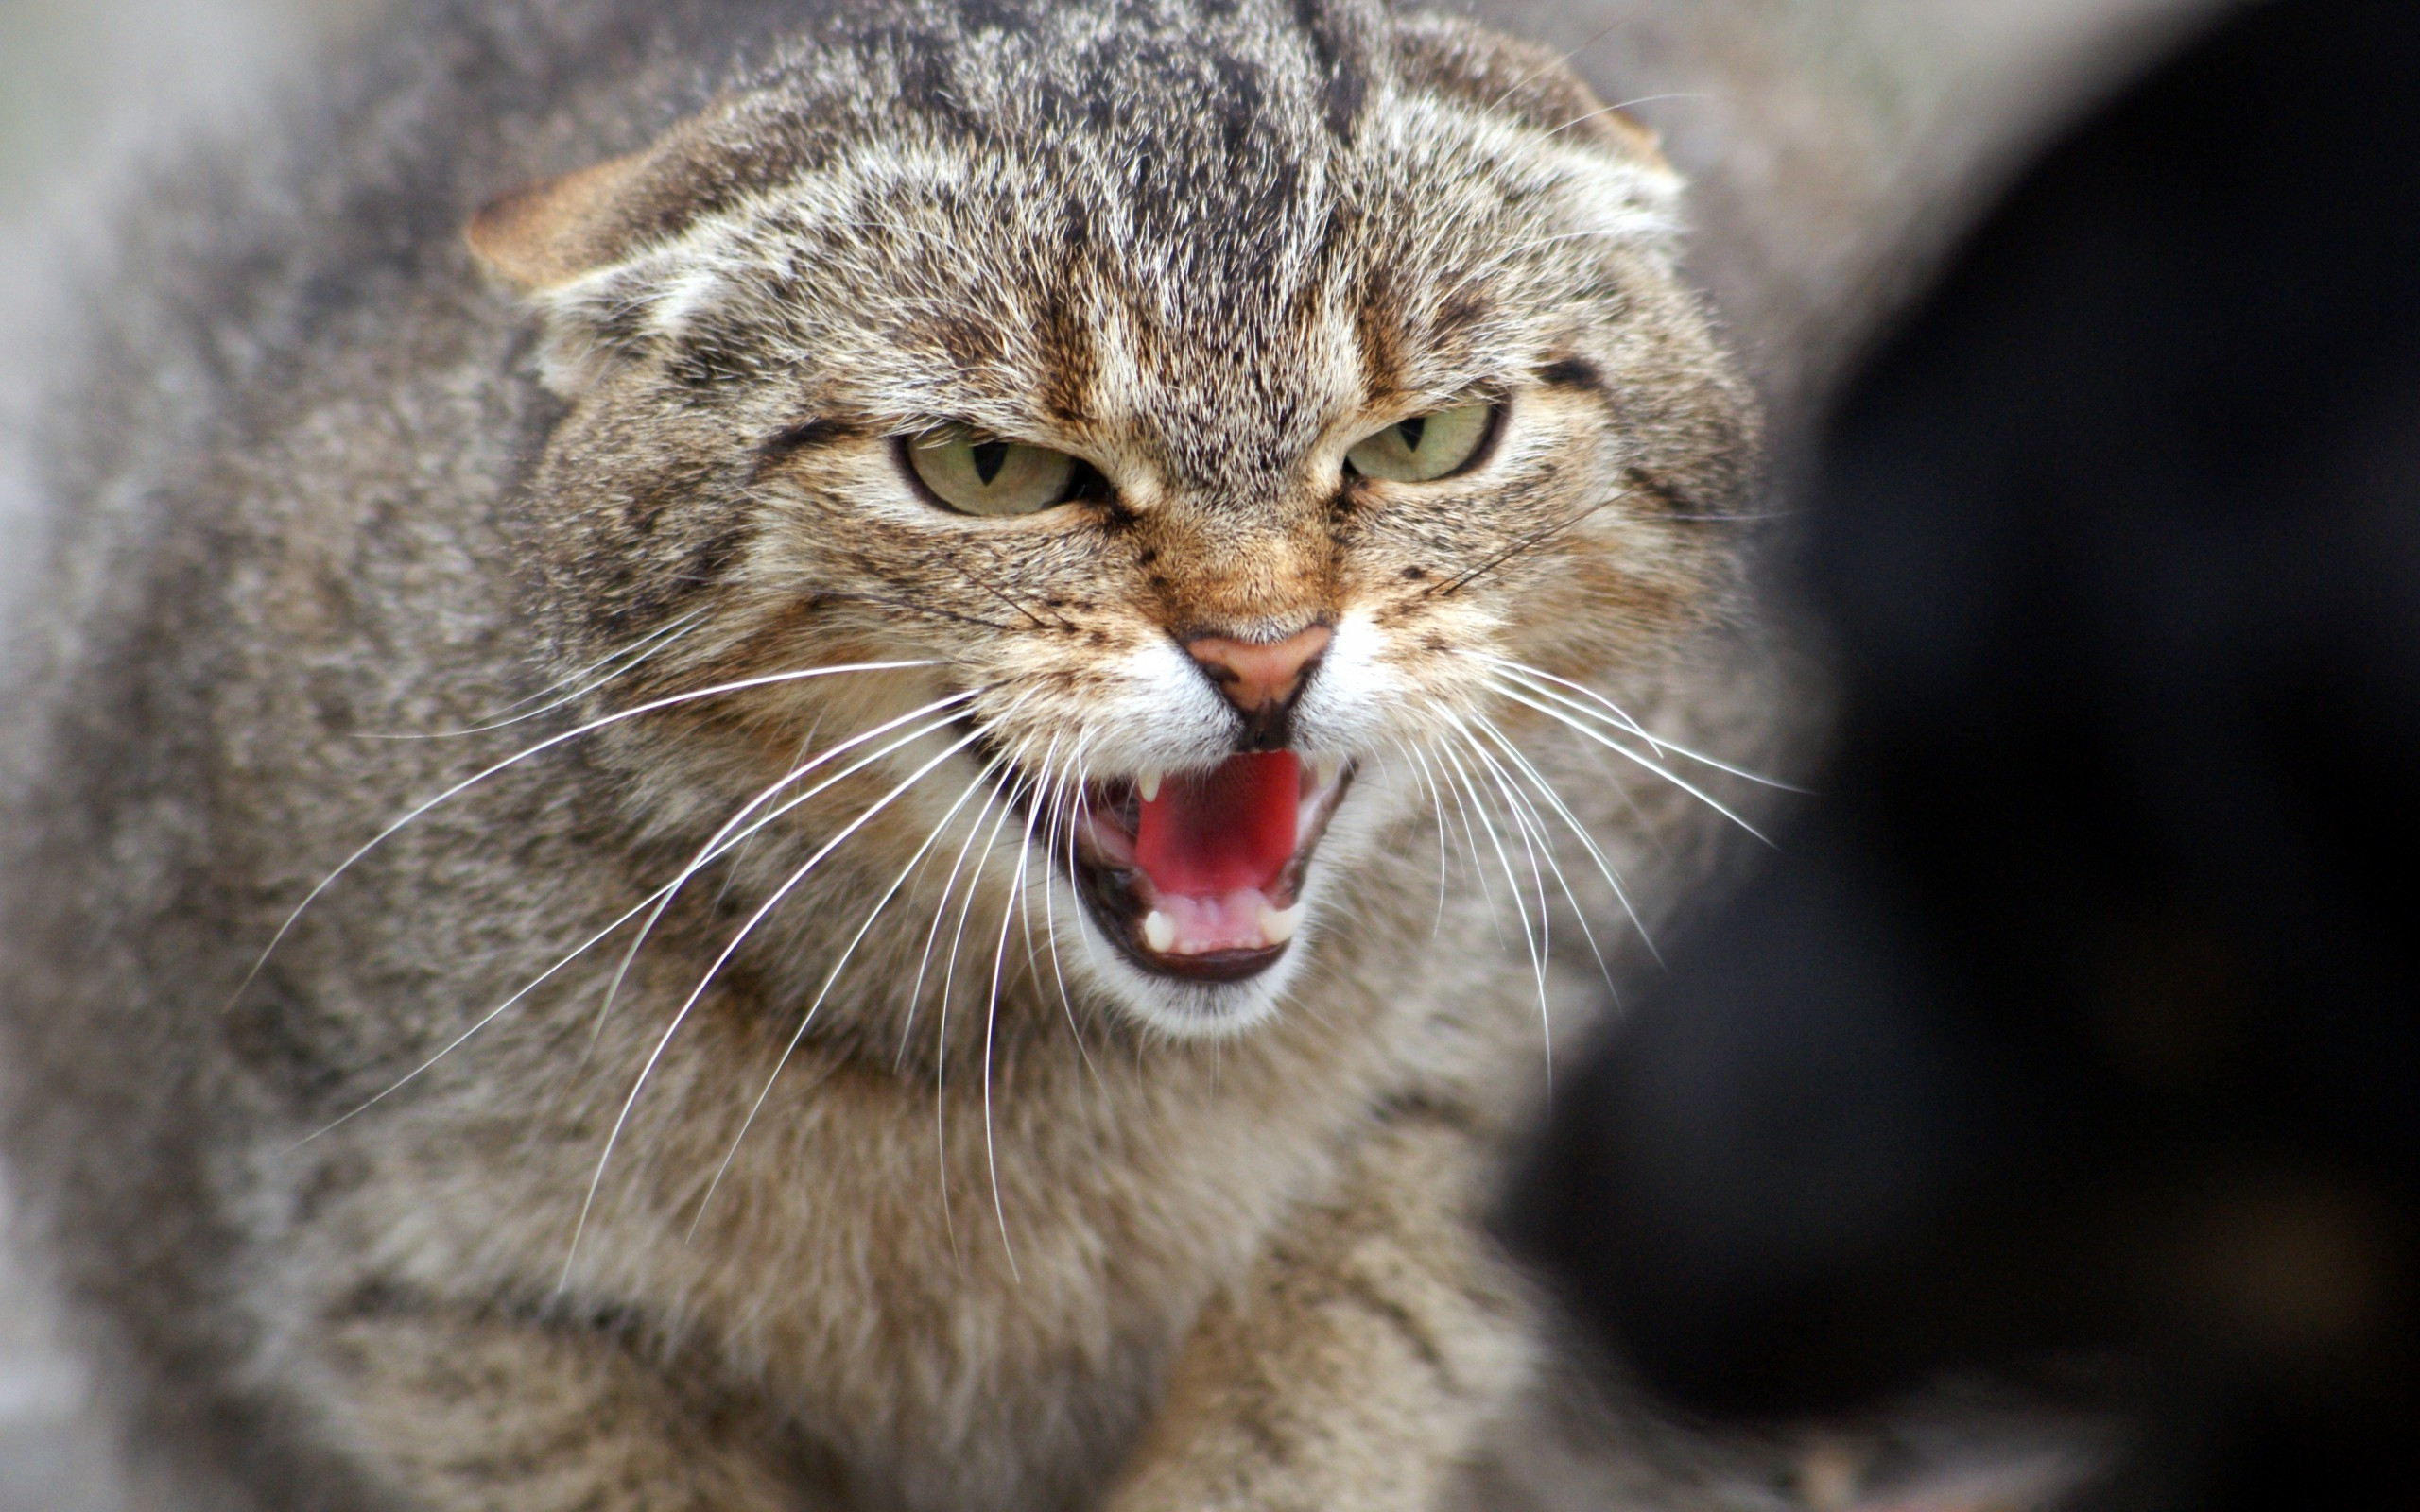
[1261,678]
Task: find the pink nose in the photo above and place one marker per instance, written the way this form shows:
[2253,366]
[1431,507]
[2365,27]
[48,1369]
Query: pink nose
[1259,675]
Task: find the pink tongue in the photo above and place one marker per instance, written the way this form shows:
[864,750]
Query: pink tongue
[1223,830]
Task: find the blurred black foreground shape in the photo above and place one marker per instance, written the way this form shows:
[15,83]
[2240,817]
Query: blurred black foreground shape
[2073,1034]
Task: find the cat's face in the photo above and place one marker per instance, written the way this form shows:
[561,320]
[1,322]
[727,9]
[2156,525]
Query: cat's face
[1201,405]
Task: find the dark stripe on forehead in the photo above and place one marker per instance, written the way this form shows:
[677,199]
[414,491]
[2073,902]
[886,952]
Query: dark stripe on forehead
[1462,309]
[1377,334]
[1070,365]
[1240,99]
[992,15]
[968,342]
[1341,55]
[929,80]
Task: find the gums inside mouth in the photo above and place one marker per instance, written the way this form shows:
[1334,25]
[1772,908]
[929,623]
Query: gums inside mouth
[1199,874]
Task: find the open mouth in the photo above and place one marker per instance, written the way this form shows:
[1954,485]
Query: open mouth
[1199,874]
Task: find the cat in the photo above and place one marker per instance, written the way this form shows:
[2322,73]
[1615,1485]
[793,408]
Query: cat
[861,756]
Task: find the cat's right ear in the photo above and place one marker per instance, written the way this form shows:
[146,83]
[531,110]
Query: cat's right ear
[546,235]
[574,248]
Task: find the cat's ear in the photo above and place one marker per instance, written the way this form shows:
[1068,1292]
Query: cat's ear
[585,250]
[544,235]
[598,252]
[1631,137]
[1518,79]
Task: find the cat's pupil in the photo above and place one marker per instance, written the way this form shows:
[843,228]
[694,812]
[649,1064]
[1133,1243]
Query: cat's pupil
[989,455]
[1411,429]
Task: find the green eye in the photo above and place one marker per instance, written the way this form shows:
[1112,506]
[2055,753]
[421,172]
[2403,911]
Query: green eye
[988,477]
[1424,447]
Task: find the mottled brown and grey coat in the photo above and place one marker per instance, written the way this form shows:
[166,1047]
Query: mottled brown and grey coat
[884,1174]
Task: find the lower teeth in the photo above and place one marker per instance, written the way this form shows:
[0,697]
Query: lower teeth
[1277,926]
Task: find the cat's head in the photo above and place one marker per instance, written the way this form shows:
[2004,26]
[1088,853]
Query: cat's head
[1202,397]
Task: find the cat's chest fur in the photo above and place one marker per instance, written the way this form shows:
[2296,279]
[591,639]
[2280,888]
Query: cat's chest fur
[1021,1272]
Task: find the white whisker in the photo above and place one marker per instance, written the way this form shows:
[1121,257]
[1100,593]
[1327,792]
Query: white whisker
[1049,830]
[1609,110]
[1530,677]
[679,1018]
[992,1007]
[949,982]
[715,846]
[1534,826]
[1470,845]
[1512,880]
[1517,812]
[916,990]
[1436,809]
[767,679]
[833,976]
[481,1022]
[723,842]
[940,909]
[1578,830]
[1559,60]
[1066,808]
[1510,690]
[739,852]
[638,652]
[1084,783]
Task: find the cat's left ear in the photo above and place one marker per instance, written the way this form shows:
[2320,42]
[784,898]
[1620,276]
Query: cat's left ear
[1522,79]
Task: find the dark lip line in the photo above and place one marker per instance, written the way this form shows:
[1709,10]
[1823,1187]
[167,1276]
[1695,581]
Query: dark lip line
[1092,882]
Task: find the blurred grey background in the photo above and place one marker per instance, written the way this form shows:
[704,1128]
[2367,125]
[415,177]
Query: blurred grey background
[83,85]
[1838,144]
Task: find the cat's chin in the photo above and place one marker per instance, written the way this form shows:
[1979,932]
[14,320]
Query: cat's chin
[1182,1008]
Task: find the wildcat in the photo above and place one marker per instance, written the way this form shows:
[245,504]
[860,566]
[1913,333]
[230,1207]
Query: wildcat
[887,798]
